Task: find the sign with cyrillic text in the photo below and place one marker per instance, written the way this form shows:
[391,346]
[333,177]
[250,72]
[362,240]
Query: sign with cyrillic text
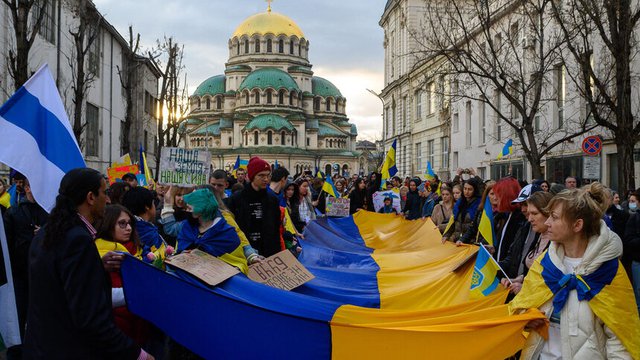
[282,271]
[184,167]
[205,267]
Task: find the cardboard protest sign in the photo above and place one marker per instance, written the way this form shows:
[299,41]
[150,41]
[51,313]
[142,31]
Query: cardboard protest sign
[337,207]
[124,160]
[394,194]
[116,173]
[205,267]
[282,271]
[184,167]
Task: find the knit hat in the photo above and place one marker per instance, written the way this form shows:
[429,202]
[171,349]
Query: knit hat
[203,203]
[255,166]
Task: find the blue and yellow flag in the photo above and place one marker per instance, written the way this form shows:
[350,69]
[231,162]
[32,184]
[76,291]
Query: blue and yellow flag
[507,149]
[319,174]
[485,279]
[276,164]
[449,224]
[485,228]
[430,174]
[330,188]
[389,167]
[144,169]
[240,164]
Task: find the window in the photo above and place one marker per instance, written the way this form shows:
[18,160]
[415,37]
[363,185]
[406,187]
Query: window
[269,97]
[230,141]
[93,130]
[444,145]
[238,48]
[281,97]
[561,88]
[316,104]
[337,107]
[269,138]
[483,120]
[418,156]
[257,96]
[468,123]
[291,95]
[281,46]
[404,111]
[255,138]
[308,141]
[257,45]
[456,164]
[431,149]
[456,122]
[418,105]
[246,46]
[404,159]
[282,138]
[48,25]
[269,45]
[328,105]
[246,98]
[301,47]
[536,123]
[482,172]
[431,98]
[199,103]
[208,104]
[291,47]
[219,102]
[95,54]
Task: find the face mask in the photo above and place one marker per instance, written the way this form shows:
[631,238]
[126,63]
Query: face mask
[633,206]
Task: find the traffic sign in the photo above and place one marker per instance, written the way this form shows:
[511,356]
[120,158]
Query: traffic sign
[592,145]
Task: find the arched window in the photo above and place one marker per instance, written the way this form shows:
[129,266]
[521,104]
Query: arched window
[301,48]
[291,95]
[337,105]
[255,138]
[282,139]
[199,103]
[269,45]
[238,48]
[327,169]
[291,47]
[316,104]
[257,96]
[246,139]
[281,46]
[328,105]
[246,46]
[281,97]
[246,97]
[269,97]
[208,103]
[269,138]
[257,47]
[219,102]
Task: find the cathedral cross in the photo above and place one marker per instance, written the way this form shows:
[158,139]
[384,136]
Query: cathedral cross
[269,5]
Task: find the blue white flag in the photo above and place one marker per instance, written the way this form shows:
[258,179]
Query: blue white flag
[40,141]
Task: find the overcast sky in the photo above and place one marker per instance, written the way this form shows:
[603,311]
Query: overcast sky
[346,40]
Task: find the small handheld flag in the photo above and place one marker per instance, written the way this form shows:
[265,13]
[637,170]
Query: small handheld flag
[485,279]
[240,164]
[330,188]
[430,174]
[507,149]
[485,228]
[389,167]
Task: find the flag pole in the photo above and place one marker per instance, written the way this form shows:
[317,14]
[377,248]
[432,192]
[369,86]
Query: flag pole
[499,267]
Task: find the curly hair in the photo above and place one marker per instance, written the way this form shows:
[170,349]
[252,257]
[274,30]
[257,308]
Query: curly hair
[74,187]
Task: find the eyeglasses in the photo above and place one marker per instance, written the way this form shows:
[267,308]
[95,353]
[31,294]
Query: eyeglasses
[122,224]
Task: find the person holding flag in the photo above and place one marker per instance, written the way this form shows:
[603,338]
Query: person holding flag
[389,168]
[484,215]
[580,284]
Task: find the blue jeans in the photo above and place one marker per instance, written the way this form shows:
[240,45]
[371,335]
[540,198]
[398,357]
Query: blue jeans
[635,271]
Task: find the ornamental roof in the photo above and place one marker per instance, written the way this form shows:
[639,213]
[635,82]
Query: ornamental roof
[323,87]
[214,85]
[268,23]
[269,78]
[269,121]
[213,129]
[326,130]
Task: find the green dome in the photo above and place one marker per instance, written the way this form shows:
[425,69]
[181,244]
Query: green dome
[326,130]
[269,78]
[269,121]
[323,87]
[214,85]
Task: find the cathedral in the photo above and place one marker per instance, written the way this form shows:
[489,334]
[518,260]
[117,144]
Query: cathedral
[268,103]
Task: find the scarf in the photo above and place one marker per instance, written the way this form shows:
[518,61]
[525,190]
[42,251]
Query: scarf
[218,240]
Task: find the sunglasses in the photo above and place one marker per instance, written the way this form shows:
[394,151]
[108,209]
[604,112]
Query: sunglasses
[122,224]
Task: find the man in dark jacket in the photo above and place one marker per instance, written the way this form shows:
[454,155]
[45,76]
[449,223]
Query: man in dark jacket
[256,211]
[631,251]
[22,223]
[70,314]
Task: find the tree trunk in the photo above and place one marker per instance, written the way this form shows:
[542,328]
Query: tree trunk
[79,88]
[626,166]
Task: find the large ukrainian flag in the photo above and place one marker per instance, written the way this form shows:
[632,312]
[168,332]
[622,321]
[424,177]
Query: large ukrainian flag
[384,289]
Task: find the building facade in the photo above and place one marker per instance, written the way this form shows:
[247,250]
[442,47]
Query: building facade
[104,108]
[269,103]
[455,121]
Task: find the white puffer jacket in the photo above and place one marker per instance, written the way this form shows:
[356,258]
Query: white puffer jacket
[584,336]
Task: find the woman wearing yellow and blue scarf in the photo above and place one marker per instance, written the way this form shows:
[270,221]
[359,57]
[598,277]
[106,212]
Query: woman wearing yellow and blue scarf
[580,285]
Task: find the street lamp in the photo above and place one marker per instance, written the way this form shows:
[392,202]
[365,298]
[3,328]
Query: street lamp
[384,123]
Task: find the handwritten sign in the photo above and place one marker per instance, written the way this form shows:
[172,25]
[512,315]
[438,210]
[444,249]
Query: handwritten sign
[379,196]
[282,271]
[184,167]
[205,267]
[337,207]
[116,173]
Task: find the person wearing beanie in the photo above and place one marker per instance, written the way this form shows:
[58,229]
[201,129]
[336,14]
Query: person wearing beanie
[256,211]
[207,230]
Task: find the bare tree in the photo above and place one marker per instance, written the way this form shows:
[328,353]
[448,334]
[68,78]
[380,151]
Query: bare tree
[127,80]
[492,51]
[26,19]
[85,57]
[173,93]
[602,44]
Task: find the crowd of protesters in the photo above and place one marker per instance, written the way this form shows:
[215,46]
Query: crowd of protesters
[66,264]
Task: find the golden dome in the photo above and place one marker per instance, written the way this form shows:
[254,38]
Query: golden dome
[268,22]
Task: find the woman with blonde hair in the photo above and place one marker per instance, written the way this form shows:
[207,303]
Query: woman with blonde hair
[580,285]
[443,211]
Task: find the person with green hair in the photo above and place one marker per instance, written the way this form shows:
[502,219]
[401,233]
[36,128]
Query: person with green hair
[206,230]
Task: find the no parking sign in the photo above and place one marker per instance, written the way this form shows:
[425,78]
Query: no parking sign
[592,145]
